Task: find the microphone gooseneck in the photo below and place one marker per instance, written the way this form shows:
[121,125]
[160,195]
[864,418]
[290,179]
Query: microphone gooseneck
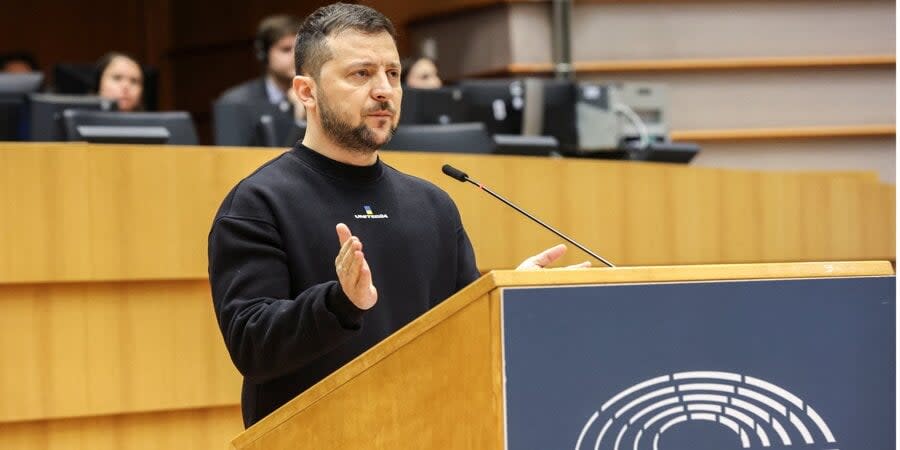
[461,176]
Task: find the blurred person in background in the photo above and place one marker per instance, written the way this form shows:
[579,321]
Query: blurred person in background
[274,49]
[119,77]
[420,73]
[18,62]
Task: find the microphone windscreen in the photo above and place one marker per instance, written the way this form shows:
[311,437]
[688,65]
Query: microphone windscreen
[453,172]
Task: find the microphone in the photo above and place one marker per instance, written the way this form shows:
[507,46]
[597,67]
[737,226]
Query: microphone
[461,176]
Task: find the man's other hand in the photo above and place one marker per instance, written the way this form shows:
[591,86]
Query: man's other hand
[546,257]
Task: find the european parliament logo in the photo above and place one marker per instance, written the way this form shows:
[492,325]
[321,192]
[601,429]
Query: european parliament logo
[370,214]
[757,413]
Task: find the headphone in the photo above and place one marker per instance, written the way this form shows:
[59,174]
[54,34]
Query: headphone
[261,47]
[269,31]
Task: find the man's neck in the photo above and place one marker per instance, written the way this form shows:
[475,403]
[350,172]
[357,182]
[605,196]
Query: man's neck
[283,85]
[317,141]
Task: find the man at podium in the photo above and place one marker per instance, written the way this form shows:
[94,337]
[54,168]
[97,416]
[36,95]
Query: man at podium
[298,294]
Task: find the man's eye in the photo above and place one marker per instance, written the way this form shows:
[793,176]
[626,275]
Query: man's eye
[361,73]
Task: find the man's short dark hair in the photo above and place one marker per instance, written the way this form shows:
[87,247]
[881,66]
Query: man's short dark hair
[311,50]
[271,30]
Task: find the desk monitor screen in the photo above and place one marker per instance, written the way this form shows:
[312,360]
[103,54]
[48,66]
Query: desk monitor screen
[123,134]
[45,113]
[13,89]
[178,124]
[559,121]
[496,103]
[20,83]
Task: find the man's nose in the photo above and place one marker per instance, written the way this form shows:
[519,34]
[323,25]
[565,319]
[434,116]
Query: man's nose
[382,91]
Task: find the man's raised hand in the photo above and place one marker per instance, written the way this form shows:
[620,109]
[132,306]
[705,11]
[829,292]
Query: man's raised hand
[353,271]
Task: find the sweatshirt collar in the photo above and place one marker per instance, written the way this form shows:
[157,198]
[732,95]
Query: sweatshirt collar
[339,170]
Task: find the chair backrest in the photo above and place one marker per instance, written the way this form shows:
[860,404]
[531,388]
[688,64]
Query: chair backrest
[178,123]
[238,124]
[432,106]
[265,129]
[451,138]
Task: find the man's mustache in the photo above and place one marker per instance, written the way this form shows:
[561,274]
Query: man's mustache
[383,106]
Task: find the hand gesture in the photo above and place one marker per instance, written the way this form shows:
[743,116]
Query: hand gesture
[353,270]
[546,257]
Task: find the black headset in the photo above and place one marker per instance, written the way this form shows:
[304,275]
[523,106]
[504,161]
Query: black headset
[261,47]
[264,39]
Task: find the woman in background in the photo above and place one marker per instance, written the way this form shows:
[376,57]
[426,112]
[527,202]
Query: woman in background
[420,73]
[119,77]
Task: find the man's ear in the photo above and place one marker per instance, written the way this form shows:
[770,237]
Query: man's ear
[305,88]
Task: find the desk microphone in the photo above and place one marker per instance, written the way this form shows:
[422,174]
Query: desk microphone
[461,176]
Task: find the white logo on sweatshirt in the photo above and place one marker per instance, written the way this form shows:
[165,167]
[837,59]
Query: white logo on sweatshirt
[370,214]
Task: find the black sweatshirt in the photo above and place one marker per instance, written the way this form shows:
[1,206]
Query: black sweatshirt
[285,319]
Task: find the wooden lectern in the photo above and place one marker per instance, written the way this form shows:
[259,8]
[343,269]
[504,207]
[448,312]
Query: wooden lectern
[632,357]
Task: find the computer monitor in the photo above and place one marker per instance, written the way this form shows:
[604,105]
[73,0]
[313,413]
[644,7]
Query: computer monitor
[45,113]
[498,104]
[432,106]
[20,83]
[13,91]
[78,79]
[103,134]
[557,103]
[178,124]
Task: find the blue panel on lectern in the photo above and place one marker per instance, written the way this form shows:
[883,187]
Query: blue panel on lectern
[787,364]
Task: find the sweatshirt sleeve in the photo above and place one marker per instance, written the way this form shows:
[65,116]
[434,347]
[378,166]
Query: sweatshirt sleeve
[269,334]
[466,268]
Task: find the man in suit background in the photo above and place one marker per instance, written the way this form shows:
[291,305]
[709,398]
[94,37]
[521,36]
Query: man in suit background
[238,111]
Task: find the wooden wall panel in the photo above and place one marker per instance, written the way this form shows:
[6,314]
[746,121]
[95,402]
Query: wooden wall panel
[207,429]
[145,212]
[60,30]
[87,349]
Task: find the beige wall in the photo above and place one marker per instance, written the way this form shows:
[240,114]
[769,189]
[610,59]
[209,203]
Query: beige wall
[876,154]
[468,42]
[744,99]
[635,30]
[760,98]
[728,29]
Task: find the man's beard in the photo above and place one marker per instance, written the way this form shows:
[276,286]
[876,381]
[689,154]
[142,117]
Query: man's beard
[359,139]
